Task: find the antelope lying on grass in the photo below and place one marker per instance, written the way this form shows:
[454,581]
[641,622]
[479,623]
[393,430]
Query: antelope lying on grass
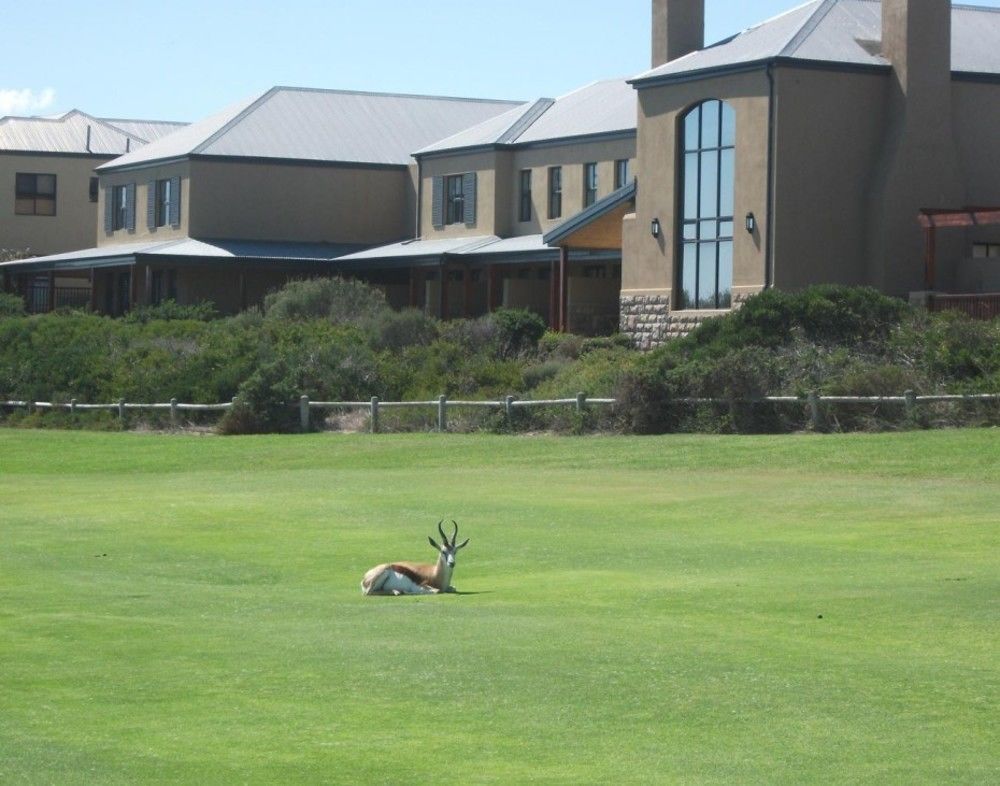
[414,578]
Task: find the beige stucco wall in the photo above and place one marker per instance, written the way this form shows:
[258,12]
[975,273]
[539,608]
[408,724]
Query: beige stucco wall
[648,265]
[828,140]
[300,202]
[571,157]
[485,165]
[498,176]
[142,178]
[72,227]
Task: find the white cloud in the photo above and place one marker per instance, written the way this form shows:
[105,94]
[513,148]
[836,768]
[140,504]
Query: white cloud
[26,101]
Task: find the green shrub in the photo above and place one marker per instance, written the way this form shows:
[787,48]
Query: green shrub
[395,330]
[518,331]
[11,305]
[339,300]
[171,310]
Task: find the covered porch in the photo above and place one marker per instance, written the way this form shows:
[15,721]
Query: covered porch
[970,283]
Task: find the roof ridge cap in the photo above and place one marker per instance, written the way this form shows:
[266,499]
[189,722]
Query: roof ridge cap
[525,121]
[228,126]
[381,94]
[808,28]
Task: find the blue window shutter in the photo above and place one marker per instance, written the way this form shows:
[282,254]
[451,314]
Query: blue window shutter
[437,202]
[151,205]
[469,195]
[130,208]
[109,221]
[175,202]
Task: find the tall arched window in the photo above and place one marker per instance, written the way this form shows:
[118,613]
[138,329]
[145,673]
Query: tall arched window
[705,278]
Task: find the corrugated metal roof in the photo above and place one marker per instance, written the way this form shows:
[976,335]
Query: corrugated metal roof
[323,125]
[68,134]
[125,253]
[148,130]
[422,248]
[839,31]
[603,107]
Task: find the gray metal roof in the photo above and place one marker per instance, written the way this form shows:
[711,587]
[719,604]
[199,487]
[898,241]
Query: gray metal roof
[604,107]
[67,134]
[321,125]
[148,130]
[838,31]
[190,248]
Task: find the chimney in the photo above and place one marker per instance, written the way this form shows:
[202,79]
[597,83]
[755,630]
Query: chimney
[916,39]
[678,29]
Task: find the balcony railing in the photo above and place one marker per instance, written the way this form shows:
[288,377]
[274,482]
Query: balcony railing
[985,306]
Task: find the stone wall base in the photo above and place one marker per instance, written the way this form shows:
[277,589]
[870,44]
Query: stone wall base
[649,322]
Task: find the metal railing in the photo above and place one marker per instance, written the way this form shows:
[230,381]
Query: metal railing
[813,403]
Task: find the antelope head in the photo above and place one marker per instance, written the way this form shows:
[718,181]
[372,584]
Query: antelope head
[448,549]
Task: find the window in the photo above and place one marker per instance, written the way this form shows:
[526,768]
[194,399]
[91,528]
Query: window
[621,173]
[119,207]
[34,195]
[525,211]
[165,197]
[983,250]
[454,200]
[92,193]
[708,161]
[164,286]
[555,192]
[589,184]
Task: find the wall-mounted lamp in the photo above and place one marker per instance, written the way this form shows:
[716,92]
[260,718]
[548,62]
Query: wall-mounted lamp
[654,227]
[751,223]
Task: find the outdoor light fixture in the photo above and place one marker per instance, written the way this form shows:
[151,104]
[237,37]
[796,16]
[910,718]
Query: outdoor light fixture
[654,227]
[751,223]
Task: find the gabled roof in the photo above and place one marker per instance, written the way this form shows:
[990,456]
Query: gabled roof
[303,124]
[68,133]
[600,108]
[847,32]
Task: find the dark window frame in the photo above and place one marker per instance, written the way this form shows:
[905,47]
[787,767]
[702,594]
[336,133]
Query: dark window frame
[27,188]
[164,201]
[119,207]
[524,213]
[702,237]
[555,192]
[621,173]
[454,199]
[590,183]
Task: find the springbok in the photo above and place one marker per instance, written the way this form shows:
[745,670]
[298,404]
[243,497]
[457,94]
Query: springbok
[414,578]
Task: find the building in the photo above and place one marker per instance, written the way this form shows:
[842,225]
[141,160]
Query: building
[489,194]
[845,141]
[48,187]
[803,151]
[270,188]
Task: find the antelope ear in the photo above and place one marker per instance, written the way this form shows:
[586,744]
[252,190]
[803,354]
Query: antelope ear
[463,544]
[435,545]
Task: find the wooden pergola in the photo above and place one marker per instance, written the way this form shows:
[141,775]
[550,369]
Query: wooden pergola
[933,219]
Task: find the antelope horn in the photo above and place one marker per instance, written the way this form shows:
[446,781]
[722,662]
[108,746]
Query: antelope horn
[443,536]
[454,536]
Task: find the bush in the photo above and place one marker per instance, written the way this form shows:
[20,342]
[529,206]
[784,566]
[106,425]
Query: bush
[518,331]
[11,305]
[396,330]
[339,300]
[171,310]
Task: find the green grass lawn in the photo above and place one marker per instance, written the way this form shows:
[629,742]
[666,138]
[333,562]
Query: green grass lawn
[685,609]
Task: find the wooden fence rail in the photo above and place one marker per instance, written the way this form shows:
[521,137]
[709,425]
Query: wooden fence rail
[813,402]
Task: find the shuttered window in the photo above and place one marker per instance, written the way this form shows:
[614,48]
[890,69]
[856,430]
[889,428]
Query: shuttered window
[454,200]
[589,184]
[555,192]
[469,198]
[524,213]
[119,207]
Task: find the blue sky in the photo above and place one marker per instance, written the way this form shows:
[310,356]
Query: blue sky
[183,60]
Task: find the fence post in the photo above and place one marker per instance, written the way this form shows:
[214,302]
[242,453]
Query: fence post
[121,409]
[72,406]
[509,408]
[442,413]
[374,414]
[304,412]
[814,411]
[581,399]
[173,412]
[911,403]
